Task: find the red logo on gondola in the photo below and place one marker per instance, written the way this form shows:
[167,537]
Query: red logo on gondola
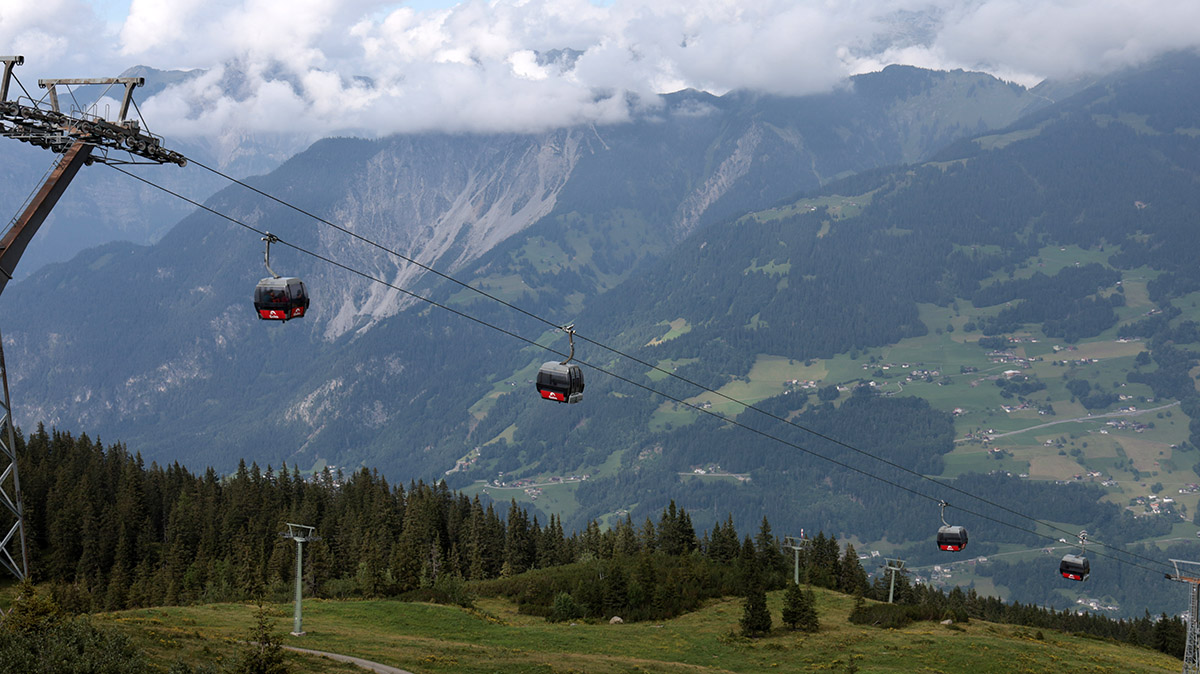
[551,395]
[1071,576]
[297,312]
[272,314]
[951,548]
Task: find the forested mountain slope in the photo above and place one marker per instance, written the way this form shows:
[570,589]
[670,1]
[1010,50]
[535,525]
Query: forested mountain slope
[1068,232]
[1066,227]
[166,333]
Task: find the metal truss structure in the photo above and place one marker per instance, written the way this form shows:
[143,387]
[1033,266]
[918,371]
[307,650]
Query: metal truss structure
[10,494]
[82,137]
[1191,654]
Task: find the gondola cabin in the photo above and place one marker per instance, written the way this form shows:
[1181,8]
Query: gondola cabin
[280,299]
[952,538]
[563,383]
[1074,567]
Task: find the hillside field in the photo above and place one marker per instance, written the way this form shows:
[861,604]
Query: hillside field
[426,638]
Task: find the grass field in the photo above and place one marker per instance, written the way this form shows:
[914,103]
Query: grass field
[839,207]
[495,639]
[675,328]
[768,377]
[551,496]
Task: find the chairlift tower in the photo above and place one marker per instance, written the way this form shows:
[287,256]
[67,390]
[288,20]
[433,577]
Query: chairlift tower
[796,543]
[81,137]
[301,533]
[894,566]
[1191,654]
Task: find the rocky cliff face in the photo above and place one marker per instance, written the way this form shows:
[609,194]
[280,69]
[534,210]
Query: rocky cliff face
[442,201]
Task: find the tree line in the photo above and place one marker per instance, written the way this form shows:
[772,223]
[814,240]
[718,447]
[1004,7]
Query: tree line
[107,532]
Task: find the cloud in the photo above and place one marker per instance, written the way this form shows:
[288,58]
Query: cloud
[321,67]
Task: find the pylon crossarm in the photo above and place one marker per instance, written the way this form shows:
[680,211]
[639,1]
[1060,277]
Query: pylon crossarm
[55,130]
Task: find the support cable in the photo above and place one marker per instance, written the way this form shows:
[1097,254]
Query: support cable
[638,384]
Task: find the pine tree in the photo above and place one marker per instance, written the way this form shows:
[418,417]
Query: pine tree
[809,622]
[793,601]
[756,619]
[800,609]
[851,577]
[263,653]
[771,559]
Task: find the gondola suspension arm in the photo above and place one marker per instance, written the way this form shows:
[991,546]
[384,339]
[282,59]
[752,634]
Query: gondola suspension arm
[270,239]
[570,330]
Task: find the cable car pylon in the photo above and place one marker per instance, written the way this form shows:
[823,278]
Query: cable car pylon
[1191,653]
[797,544]
[12,502]
[894,566]
[82,138]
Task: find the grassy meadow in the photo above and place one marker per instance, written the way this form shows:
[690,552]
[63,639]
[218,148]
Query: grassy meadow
[495,639]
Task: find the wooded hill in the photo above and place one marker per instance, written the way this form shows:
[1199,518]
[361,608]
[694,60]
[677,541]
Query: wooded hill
[820,285]
[108,533]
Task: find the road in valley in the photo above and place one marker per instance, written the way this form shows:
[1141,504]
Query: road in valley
[1090,417]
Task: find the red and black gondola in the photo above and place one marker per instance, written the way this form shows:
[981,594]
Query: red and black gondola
[280,299]
[952,538]
[1074,567]
[561,382]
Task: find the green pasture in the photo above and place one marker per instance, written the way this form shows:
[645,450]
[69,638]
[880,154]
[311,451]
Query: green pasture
[670,366]
[997,141]
[675,328]
[508,287]
[770,268]
[768,377]
[516,380]
[1052,259]
[496,639]
[978,460]
[544,255]
[557,498]
[839,207]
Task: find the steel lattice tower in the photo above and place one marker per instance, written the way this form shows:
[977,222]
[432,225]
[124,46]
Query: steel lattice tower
[1191,654]
[81,137]
[11,499]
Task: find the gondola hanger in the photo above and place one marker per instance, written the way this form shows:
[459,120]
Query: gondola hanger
[570,330]
[270,239]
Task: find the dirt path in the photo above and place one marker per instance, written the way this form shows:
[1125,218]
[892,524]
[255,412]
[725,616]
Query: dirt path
[365,664]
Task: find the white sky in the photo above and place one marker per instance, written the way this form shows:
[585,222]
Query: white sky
[368,67]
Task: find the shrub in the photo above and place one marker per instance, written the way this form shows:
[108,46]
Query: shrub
[565,608]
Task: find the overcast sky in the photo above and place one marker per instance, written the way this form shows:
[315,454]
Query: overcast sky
[323,67]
